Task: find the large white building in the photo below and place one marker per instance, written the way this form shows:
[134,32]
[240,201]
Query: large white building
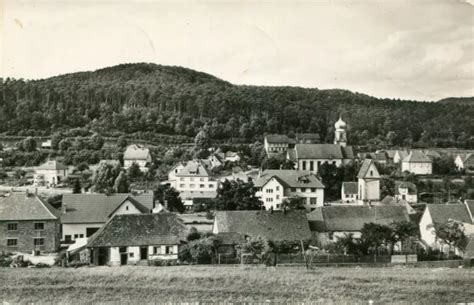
[137,154]
[368,183]
[275,186]
[50,174]
[417,163]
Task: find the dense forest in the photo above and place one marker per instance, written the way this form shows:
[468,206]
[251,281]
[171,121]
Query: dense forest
[147,99]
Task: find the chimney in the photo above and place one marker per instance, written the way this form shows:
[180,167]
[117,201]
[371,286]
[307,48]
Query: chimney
[64,208]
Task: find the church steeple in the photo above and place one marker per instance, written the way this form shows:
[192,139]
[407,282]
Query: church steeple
[340,136]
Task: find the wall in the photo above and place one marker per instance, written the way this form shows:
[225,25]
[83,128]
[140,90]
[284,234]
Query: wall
[194,184]
[126,208]
[308,194]
[77,228]
[162,252]
[50,177]
[271,194]
[26,233]
[316,163]
[417,168]
[426,232]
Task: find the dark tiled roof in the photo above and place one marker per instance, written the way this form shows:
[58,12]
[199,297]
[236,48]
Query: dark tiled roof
[350,187]
[52,165]
[140,230]
[229,238]
[353,218]
[289,178]
[347,152]
[318,151]
[19,206]
[364,168]
[276,138]
[441,213]
[97,208]
[416,156]
[193,168]
[276,226]
[312,137]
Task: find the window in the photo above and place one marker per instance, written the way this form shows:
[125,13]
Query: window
[130,254]
[311,165]
[191,179]
[39,226]
[12,242]
[303,189]
[371,173]
[126,207]
[304,165]
[67,237]
[269,199]
[156,250]
[313,201]
[313,189]
[277,188]
[191,185]
[278,197]
[181,179]
[293,189]
[169,249]
[201,186]
[278,205]
[333,162]
[76,236]
[269,190]
[81,235]
[319,163]
[201,179]
[12,226]
[211,186]
[123,249]
[331,236]
[38,241]
[182,185]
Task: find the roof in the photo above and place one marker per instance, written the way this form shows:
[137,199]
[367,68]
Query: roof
[412,190]
[347,152]
[20,206]
[350,187]
[390,153]
[229,238]
[97,208]
[417,156]
[52,165]
[432,154]
[379,156]
[195,219]
[364,168]
[140,230]
[352,218]
[441,213]
[193,168]
[319,151]
[289,178]
[276,226]
[390,200]
[136,152]
[276,138]
[310,137]
[402,154]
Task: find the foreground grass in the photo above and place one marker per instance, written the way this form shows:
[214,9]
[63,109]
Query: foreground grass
[140,285]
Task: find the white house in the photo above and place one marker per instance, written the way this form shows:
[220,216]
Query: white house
[276,144]
[417,163]
[274,186]
[50,173]
[349,192]
[368,183]
[137,154]
[465,162]
[406,191]
[83,214]
[442,213]
[46,144]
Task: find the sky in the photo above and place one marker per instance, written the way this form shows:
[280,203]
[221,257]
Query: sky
[407,49]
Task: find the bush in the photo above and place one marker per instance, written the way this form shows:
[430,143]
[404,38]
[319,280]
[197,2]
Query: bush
[162,262]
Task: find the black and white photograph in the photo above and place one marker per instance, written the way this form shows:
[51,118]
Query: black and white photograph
[237,152]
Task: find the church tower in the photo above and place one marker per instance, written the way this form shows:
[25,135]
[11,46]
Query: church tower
[341,133]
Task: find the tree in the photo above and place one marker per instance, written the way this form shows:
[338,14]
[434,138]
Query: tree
[236,195]
[104,178]
[55,139]
[452,234]
[76,187]
[376,235]
[96,142]
[387,187]
[277,162]
[332,177]
[122,142]
[134,172]
[293,203]
[64,144]
[28,144]
[444,166]
[405,231]
[198,251]
[202,140]
[121,184]
[169,197]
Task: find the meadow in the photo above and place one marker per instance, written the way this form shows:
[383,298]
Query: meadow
[139,285]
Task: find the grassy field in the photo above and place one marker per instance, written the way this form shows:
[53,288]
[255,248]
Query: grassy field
[138,285]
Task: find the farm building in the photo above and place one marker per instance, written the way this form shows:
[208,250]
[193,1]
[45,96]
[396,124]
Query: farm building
[417,163]
[50,173]
[137,239]
[137,154]
[349,192]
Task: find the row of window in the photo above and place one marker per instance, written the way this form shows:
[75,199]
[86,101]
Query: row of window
[191,179]
[311,164]
[13,226]
[13,242]
[312,201]
[193,186]
[293,189]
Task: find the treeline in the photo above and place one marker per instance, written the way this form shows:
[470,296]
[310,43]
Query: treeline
[152,99]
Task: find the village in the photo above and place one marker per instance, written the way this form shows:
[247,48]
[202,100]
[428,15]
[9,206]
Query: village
[303,202]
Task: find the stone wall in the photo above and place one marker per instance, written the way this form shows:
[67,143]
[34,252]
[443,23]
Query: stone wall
[26,233]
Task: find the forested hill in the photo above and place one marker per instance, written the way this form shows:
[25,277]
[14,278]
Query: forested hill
[149,99]
[458,100]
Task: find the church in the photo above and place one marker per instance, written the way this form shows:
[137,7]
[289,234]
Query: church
[310,157]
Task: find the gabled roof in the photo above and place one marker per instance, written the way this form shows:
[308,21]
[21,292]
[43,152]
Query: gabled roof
[289,178]
[365,167]
[276,138]
[432,154]
[350,187]
[412,190]
[20,206]
[136,152]
[352,218]
[313,137]
[140,230]
[275,226]
[319,151]
[402,154]
[347,152]
[379,156]
[441,213]
[52,165]
[193,169]
[416,156]
[97,208]
[390,153]
[389,200]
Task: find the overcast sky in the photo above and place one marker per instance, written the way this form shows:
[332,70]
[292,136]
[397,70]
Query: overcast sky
[414,49]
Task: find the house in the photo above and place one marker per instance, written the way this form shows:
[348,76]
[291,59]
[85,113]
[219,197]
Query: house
[312,156]
[50,173]
[308,138]
[137,239]
[465,162]
[417,163]
[328,223]
[272,225]
[274,186]
[400,155]
[83,214]
[137,154]
[228,156]
[46,144]
[28,224]
[349,192]
[276,144]
[405,190]
[368,183]
[442,213]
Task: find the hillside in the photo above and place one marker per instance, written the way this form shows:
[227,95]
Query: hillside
[148,99]
[458,100]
